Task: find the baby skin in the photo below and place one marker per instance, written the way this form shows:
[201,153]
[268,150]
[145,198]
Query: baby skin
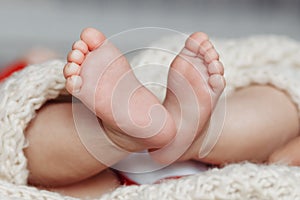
[95,77]
[100,77]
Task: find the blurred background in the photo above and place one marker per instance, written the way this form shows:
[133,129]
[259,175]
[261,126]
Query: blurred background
[55,24]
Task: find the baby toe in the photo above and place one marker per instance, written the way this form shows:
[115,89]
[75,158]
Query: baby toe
[81,46]
[73,84]
[215,67]
[92,37]
[211,55]
[71,69]
[194,40]
[75,56]
[204,47]
[217,83]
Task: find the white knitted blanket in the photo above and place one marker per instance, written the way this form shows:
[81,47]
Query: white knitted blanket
[260,59]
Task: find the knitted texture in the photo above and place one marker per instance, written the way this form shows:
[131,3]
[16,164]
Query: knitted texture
[21,95]
[261,59]
[234,182]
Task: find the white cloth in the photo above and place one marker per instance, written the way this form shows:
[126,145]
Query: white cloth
[174,170]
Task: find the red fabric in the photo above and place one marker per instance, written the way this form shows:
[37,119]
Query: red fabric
[15,66]
[124,180]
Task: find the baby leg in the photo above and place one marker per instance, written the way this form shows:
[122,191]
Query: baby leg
[56,156]
[259,120]
[90,188]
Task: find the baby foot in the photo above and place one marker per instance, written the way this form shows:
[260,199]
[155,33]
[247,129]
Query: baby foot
[99,76]
[195,83]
